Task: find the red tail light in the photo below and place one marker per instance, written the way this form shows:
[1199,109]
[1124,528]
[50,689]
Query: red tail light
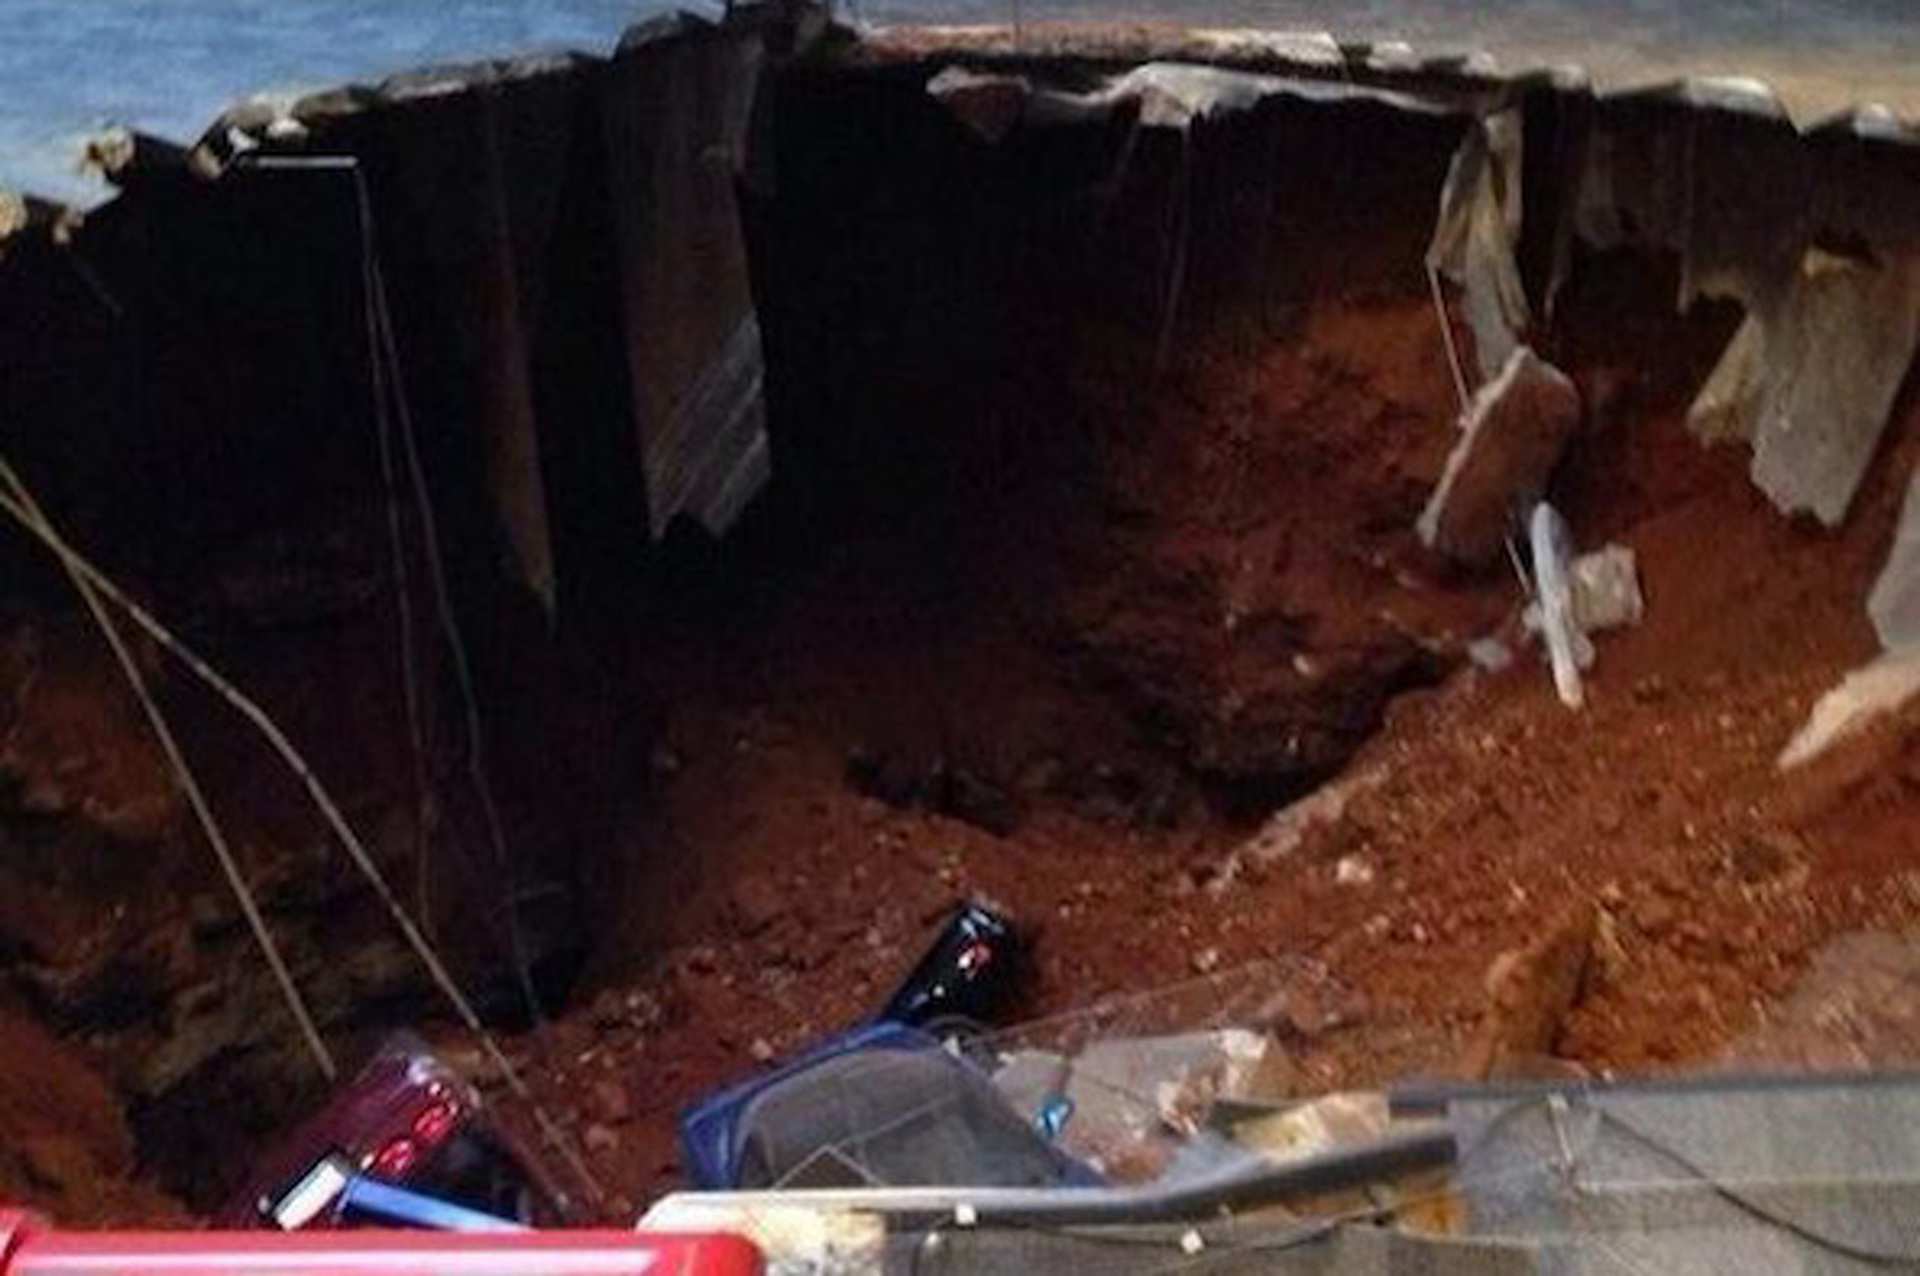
[435,1122]
[394,1160]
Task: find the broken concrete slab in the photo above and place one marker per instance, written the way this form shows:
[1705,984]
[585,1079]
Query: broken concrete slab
[1512,435]
[1810,378]
[1894,603]
[1869,692]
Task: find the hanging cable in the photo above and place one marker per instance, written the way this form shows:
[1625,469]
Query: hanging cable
[23,507]
[423,811]
[23,514]
[384,355]
[1446,336]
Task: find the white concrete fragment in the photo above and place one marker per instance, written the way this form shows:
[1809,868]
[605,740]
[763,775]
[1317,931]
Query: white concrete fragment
[1490,654]
[1281,835]
[1810,377]
[1869,692]
[1552,555]
[1606,589]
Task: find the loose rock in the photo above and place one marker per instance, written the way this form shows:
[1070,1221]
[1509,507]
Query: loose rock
[1529,992]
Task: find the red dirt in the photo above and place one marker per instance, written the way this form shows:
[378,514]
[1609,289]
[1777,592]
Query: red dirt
[63,1145]
[1235,593]
[1265,478]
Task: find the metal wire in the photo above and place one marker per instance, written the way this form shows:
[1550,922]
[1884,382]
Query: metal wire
[329,810]
[24,508]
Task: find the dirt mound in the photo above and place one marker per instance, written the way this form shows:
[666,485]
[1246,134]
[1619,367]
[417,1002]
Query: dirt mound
[64,1148]
[1487,808]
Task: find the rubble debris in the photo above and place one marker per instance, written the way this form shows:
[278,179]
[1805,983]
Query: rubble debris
[1894,603]
[1353,870]
[611,1100]
[1869,692]
[1529,992]
[1606,589]
[1576,596]
[1474,237]
[1133,1101]
[1857,1006]
[1810,376]
[1282,835]
[1512,434]
[1490,654]
[1319,1125]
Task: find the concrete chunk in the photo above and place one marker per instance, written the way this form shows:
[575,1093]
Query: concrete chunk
[1511,438]
[1868,693]
[1810,378]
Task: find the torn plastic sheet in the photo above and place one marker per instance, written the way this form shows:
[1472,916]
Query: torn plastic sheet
[677,115]
[1894,603]
[1474,237]
[1869,692]
[1810,378]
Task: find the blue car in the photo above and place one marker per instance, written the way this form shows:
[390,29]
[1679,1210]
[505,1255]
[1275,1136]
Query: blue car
[882,1105]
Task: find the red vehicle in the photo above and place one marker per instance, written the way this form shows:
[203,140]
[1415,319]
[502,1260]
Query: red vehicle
[408,1120]
[28,1248]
